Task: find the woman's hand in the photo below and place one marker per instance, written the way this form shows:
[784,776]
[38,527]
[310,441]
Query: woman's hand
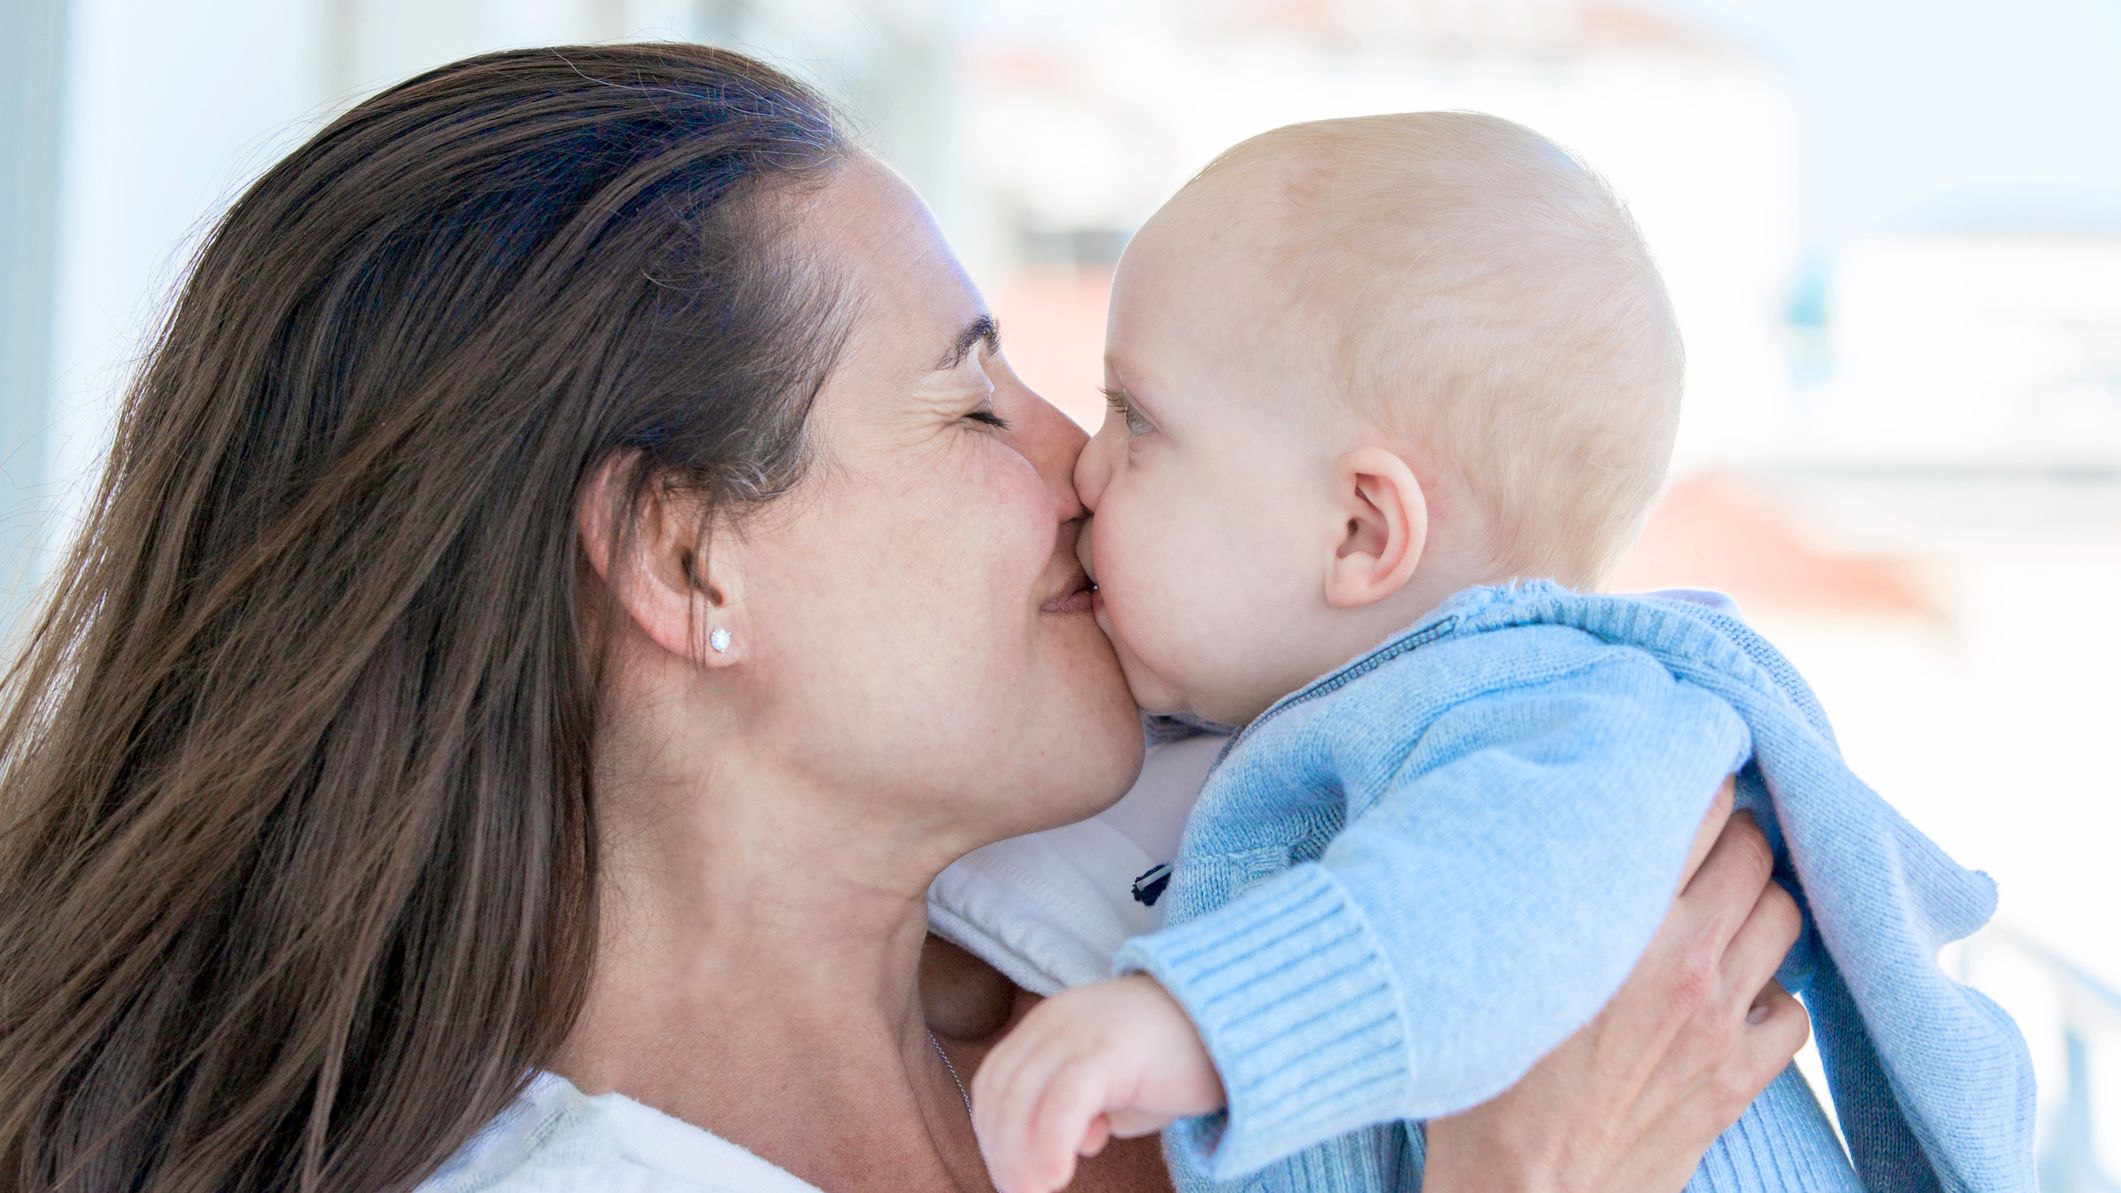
[1632,1100]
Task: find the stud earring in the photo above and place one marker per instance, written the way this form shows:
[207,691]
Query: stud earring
[719,640]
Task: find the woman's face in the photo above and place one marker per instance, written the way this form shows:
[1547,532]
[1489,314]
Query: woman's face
[920,628]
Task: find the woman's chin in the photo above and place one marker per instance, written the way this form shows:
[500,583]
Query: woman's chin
[1104,756]
[1087,745]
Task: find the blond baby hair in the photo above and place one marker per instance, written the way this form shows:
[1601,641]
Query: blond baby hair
[1486,295]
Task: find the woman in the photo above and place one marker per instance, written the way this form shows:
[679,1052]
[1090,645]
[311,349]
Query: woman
[573,569]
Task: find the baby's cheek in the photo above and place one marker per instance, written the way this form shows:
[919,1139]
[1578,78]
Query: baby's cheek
[1133,569]
[1152,610]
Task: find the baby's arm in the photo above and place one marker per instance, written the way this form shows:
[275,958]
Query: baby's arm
[1484,901]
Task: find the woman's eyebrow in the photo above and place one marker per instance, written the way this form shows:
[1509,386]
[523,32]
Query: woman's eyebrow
[983,330]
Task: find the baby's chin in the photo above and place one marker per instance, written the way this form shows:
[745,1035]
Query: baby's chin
[1151,694]
[1156,697]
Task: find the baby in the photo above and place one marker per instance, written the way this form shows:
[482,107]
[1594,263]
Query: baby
[1399,390]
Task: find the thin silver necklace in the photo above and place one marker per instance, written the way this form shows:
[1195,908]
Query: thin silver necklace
[952,1069]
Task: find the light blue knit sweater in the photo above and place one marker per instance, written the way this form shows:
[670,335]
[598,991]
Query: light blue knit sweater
[1405,883]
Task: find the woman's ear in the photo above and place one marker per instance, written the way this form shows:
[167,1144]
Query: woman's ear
[1385,526]
[683,597]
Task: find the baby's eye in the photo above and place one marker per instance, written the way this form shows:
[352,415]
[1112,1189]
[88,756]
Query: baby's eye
[1117,400]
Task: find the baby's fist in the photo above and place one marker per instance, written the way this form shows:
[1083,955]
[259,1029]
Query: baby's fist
[1111,1058]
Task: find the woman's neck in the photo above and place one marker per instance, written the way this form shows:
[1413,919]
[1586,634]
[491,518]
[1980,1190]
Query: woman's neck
[756,975]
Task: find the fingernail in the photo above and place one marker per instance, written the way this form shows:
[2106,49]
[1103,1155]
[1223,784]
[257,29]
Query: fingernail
[1757,1014]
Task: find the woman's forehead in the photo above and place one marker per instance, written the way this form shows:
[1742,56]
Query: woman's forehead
[910,296]
[877,226]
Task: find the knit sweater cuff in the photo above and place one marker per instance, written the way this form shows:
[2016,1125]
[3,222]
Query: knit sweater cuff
[1299,1012]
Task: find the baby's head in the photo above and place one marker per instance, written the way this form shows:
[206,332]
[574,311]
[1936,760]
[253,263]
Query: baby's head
[1356,366]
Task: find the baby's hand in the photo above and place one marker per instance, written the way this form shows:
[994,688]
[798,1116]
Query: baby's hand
[1111,1058]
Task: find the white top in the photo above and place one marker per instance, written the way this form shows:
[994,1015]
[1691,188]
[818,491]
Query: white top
[557,1139]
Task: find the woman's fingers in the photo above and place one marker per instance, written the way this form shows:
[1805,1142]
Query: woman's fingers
[1776,1027]
[1694,995]
[1722,893]
[1711,826]
[1746,1025]
[1631,1101]
[1680,972]
[1761,942]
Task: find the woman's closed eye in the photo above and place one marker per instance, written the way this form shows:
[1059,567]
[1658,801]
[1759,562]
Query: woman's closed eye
[986,415]
[1117,400]
[983,412]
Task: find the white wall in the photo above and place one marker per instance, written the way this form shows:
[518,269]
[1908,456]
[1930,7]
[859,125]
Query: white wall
[31,34]
[165,115]
[168,115]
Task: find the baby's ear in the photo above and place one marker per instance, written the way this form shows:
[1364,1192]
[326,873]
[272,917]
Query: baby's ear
[1385,520]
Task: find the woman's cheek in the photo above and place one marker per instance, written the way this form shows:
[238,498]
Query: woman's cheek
[1007,511]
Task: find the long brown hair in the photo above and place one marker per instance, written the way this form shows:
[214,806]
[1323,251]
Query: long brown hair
[297,879]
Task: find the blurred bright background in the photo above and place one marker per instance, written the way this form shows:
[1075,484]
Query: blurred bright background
[1892,230]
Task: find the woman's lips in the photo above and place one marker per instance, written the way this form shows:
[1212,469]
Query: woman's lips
[1082,600]
[1076,598]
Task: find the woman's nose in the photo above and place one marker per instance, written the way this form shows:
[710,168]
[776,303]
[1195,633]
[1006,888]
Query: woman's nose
[1091,472]
[1051,442]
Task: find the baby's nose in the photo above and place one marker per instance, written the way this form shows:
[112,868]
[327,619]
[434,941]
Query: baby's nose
[1091,473]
